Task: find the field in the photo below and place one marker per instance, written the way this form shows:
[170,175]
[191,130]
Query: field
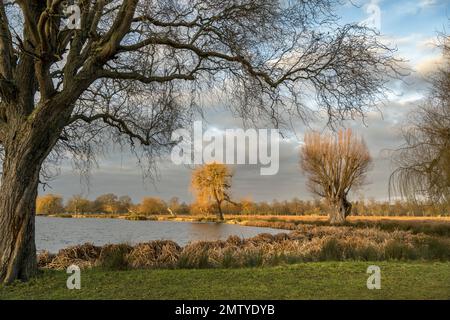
[321,280]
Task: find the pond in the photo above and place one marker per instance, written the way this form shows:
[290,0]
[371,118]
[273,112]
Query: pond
[53,233]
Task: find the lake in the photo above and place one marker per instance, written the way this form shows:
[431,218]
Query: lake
[53,234]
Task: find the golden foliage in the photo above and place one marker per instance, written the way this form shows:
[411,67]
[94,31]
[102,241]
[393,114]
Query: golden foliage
[49,204]
[152,205]
[210,184]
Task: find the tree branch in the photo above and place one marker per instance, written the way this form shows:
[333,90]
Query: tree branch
[203,54]
[118,123]
[6,48]
[144,79]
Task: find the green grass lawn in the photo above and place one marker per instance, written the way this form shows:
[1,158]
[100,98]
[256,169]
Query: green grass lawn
[322,280]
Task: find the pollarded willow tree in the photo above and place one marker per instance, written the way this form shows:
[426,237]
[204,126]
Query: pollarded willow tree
[131,71]
[335,165]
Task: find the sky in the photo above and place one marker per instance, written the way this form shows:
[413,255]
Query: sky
[410,25]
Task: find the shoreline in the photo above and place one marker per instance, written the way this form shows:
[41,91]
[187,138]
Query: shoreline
[239,218]
[439,225]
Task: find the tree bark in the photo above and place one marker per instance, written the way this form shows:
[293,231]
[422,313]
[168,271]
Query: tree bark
[27,145]
[340,210]
[17,245]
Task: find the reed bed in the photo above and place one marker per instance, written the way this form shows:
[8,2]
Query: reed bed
[305,243]
[84,255]
[430,227]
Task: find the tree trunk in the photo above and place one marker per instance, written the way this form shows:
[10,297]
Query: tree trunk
[340,210]
[219,212]
[26,148]
[17,245]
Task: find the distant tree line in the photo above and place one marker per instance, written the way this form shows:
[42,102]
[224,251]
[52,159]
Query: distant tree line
[112,204]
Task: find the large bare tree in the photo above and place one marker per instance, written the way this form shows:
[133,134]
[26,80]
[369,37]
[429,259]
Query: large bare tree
[131,71]
[423,162]
[335,164]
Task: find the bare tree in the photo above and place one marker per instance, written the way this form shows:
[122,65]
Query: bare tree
[135,70]
[423,162]
[211,183]
[335,165]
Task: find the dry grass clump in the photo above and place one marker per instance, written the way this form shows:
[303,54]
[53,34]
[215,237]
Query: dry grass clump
[44,258]
[261,238]
[306,243]
[83,256]
[197,254]
[154,254]
[234,240]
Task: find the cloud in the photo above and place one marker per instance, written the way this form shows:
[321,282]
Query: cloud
[429,65]
[427,3]
[416,7]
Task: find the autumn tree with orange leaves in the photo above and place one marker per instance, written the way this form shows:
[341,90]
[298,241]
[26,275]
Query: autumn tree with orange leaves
[211,184]
[334,165]
[49,204]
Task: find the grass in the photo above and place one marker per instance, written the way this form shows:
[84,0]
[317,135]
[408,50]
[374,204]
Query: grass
[315,280]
